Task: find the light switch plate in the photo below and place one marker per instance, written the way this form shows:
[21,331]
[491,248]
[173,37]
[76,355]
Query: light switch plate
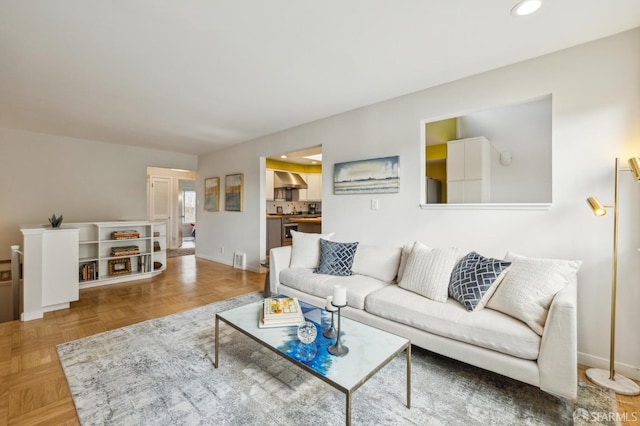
[374,204]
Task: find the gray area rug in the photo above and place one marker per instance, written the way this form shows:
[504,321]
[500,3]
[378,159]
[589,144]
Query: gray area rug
[180,252]
[160,372]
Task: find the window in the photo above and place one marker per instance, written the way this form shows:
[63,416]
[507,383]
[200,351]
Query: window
[189,206]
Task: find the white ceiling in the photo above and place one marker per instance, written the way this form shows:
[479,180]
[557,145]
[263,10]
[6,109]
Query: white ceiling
[194,76]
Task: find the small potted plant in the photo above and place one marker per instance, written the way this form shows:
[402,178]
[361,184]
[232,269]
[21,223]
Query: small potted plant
[55,221]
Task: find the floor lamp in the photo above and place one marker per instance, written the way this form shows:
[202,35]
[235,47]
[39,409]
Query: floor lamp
[609,379]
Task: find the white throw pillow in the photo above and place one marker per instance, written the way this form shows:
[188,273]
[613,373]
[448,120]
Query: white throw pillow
[406,251]
[528,289]
[428,271]
[305,249]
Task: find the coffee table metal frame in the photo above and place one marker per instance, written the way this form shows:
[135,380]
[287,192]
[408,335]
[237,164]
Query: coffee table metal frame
[254,334]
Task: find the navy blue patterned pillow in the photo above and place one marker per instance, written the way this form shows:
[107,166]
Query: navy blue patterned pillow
[475,278]
[336,258]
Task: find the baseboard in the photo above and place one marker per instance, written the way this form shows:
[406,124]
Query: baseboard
[625,369]
[56,307]
[255,269]
[32,315]
[214,259]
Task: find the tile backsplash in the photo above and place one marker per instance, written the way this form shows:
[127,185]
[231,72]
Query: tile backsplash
[289,207]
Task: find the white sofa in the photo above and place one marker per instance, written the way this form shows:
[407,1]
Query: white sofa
[485,338]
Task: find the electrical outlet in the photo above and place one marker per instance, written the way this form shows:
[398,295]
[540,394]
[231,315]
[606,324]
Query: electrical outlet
[221,250]
[374,204]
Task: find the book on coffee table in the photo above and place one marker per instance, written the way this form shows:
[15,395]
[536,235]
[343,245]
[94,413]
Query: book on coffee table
[280,312]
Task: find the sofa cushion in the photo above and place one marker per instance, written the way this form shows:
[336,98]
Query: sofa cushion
[526,292]
[377,262]
[305,249]
[428,271]
[321,285]
[475,278]
[486,328]
[336,258]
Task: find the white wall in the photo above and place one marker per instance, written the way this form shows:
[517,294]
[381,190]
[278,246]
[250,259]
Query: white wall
[524,130]
[87,181]
[219,234]
[596,117]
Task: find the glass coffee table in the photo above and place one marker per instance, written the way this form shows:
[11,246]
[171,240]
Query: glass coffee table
[370,349]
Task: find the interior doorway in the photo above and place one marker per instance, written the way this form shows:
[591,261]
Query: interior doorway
[169,199]
[293,190]
[187,209]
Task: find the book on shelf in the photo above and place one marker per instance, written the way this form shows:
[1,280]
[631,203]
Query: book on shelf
[88,271]
[125,235]
[280,312]
[144,263]
[125,251]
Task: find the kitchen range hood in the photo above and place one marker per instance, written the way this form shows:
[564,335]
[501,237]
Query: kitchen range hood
[288,180]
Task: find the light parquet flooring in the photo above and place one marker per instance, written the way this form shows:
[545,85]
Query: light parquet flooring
[33,389]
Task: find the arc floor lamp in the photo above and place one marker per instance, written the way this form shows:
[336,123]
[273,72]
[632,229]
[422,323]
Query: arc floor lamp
[609,379]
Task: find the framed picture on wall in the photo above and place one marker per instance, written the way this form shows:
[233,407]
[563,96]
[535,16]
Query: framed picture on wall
[373,176]
[212,194]
[233,192]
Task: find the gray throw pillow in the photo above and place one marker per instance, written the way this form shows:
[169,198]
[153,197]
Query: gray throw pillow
[336,258]
[475,278]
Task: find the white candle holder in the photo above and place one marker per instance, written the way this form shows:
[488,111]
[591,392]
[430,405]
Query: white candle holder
[338,349]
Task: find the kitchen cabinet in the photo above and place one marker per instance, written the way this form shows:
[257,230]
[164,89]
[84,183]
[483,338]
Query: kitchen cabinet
[269,185]
[274,233]
[469,170]
[314,187]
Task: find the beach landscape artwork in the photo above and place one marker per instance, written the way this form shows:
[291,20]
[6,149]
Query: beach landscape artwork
[374,176]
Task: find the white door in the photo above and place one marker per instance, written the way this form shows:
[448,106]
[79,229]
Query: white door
[161,206]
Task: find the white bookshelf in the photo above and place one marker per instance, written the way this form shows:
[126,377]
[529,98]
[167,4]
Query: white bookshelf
[50,275]
[54,260]
[97,265]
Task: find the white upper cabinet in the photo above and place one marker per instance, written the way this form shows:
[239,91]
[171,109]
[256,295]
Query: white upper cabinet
[469,170]
[314,187]
[269,185]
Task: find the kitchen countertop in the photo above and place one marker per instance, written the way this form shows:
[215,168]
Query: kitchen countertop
[294,216]
[305,220]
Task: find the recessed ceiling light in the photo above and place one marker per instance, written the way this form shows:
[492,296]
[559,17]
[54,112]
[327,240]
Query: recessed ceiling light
[526,7]
[283,156]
